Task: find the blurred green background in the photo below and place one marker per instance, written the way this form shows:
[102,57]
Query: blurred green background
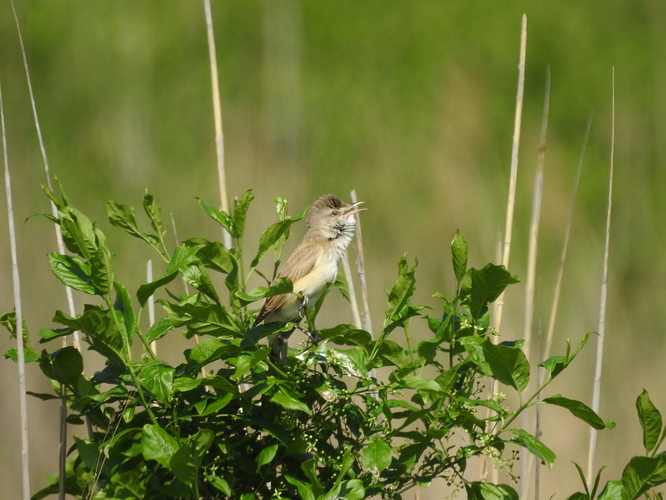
[409,103]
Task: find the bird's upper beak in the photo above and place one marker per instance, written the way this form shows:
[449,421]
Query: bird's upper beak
[351,209]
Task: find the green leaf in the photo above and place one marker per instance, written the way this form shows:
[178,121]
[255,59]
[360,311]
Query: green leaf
[580,410]
[186,462]
[123,216]
[157,444]
[536,447]
[182,257]
[612,491]
[157,377]
[650,420]
[203,318]
[158,330]
[266,455]
[402,291]
[341,284]
[220,484]
[146,291]
[64,365]
[240,212]
[154,213]
[556,364]
[506,364]
[304,489]
[196,276]
[487,491]
[101,270]
[353,362]
[205,350]
[214,255]
[346,335]
[352,490]
[642,474]
[101,328]
[280,286]
[281,207]
[459,255]
[270,236]
[481,287]
[123,305]
[78,232]
[285,398]
[72,272]
[221,217]
[421,384]
[376,456]
[579,496]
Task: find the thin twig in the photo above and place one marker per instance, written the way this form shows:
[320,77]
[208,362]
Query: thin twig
[596,391]
[537,196]
[18,309]
[217,114]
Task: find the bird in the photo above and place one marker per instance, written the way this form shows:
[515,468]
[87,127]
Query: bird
[312,265]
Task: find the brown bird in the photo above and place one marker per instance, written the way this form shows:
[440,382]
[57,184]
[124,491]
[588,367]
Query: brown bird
[312,265]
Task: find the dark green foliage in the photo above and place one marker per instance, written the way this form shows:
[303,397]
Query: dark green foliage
[228,421]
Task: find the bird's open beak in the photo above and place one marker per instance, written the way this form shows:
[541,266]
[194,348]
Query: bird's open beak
[351,210]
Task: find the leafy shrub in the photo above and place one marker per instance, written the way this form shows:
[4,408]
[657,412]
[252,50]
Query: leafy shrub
[346,416]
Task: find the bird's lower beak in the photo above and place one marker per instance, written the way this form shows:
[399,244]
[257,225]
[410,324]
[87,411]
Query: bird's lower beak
[353,210]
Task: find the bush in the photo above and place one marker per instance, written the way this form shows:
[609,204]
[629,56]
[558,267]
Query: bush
[345,416]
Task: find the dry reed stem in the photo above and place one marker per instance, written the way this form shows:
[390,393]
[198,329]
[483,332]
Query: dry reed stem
[596,391]
[556,296]
[61,249]
[565,247]
[511,202]
[217,114]
[515,147]
[353,302]
[18,309]
[527,459]
[360,266]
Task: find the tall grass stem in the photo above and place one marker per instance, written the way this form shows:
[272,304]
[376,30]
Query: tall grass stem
[217,115]
[601,329]
[511,201]
[18,309]
[526,462]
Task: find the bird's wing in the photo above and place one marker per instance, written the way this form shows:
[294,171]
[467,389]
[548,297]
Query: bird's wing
[299,264]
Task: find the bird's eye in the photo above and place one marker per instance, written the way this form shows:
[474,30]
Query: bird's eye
[335,212]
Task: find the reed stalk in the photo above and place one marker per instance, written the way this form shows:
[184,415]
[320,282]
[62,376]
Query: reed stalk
[527,459]
[217,115]
[18,309]
[511,202]
[601,329]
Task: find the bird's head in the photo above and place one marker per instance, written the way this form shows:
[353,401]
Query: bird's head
[332,217]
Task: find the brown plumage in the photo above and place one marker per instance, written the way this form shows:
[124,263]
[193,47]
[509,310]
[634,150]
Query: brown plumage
[313,263]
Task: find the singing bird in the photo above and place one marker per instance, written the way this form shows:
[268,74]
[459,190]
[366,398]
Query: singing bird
[312,265]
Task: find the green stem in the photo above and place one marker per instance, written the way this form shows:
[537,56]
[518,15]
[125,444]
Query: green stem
[128,359]
[524,405]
